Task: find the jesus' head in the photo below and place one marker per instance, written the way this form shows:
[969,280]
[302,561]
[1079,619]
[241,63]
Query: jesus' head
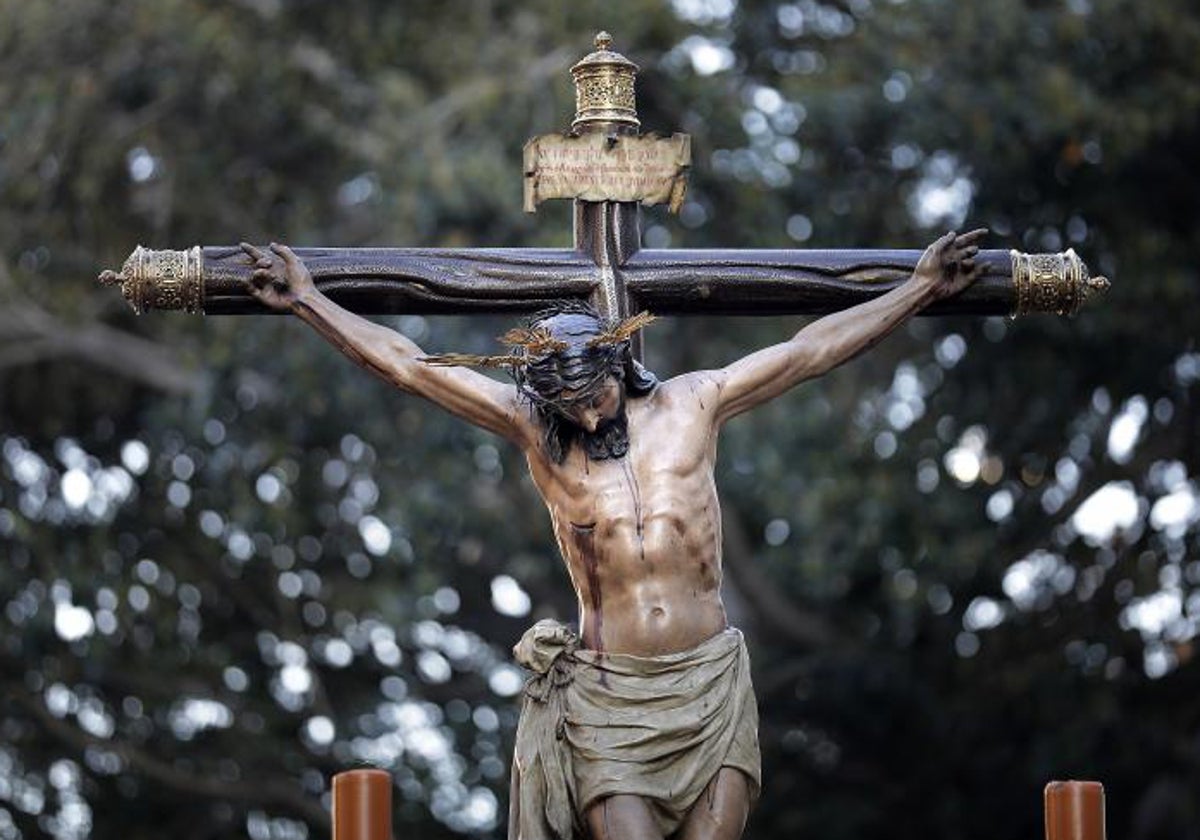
[577,371]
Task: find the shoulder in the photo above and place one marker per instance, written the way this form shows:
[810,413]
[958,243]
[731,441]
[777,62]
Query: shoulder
[697,390]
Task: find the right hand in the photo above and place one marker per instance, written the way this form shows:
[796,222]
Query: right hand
[948,265]
[279,279]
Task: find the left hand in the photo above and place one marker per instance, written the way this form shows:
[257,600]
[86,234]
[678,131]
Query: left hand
[948,265]
[279,279]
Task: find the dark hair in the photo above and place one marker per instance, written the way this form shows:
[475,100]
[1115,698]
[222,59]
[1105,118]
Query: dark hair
[580,369]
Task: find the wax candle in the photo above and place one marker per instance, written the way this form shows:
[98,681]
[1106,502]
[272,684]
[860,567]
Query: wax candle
[1074,811]
[362,805]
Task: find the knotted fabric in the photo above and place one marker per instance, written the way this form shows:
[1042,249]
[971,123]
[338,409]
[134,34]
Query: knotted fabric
[598,724]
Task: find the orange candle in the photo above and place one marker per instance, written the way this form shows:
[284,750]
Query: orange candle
[1074,811]
[362,805]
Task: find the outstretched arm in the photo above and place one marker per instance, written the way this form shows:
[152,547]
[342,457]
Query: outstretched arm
[946,268]
[281,281]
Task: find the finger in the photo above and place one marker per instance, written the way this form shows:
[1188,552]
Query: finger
[255,253]
[970,250]
[967,264]
[972,237]
[288,255]
[266,262]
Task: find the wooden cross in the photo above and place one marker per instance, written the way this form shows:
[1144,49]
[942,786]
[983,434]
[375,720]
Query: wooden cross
[609,170]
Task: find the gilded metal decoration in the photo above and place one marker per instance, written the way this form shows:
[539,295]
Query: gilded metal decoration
[1058,283]
[604,89]
[161,280]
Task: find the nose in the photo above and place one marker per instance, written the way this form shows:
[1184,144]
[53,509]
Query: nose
[591,420]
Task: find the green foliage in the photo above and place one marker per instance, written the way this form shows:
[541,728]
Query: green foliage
[234,564]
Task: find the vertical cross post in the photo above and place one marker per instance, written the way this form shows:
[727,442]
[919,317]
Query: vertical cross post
[607,231]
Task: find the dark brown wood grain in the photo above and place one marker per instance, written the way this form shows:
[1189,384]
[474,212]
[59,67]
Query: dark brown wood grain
[379,281]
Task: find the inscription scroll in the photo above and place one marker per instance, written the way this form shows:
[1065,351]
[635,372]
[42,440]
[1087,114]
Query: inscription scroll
[596,167]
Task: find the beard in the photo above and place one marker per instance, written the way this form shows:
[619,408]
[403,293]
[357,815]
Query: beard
[610,440]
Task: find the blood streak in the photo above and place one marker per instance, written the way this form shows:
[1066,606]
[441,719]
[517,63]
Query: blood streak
[637,506]
[585,543]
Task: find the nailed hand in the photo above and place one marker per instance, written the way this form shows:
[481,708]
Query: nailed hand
[279,278]
[948,265]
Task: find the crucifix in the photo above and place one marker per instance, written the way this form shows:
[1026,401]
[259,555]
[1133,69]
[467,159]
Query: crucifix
[607,264]
[642,723]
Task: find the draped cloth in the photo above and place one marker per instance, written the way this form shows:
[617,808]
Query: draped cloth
[597,724]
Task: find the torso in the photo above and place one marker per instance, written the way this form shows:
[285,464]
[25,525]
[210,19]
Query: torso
[641,534]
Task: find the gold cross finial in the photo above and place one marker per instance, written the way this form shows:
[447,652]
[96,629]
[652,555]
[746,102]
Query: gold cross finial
[604,98]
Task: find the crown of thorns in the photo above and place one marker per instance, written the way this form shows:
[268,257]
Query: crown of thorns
[536,342]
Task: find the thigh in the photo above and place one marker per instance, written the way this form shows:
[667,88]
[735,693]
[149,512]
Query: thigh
[720,812]
[622,817]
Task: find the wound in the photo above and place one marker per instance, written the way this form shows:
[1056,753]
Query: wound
[584,538]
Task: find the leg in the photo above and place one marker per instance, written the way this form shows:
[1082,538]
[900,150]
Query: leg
[621,817]
[720,812]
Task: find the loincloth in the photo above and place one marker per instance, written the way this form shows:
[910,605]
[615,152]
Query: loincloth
[594,725]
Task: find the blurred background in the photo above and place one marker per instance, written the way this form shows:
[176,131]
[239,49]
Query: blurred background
[234,564]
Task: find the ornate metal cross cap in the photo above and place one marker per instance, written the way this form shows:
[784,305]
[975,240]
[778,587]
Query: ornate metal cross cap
[161,280]
[604,96]
[1058,283]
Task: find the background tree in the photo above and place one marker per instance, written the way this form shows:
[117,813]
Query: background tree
[967,563]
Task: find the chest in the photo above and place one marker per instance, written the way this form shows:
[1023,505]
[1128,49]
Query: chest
[667,468]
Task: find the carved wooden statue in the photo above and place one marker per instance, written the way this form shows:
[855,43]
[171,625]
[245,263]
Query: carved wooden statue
[643,724]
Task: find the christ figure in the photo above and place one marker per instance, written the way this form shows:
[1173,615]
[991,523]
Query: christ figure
[643,724]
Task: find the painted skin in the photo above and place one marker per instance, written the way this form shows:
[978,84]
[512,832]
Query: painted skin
[640,535]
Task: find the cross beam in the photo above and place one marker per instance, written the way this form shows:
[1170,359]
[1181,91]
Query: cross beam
[609,170]
[389,281]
